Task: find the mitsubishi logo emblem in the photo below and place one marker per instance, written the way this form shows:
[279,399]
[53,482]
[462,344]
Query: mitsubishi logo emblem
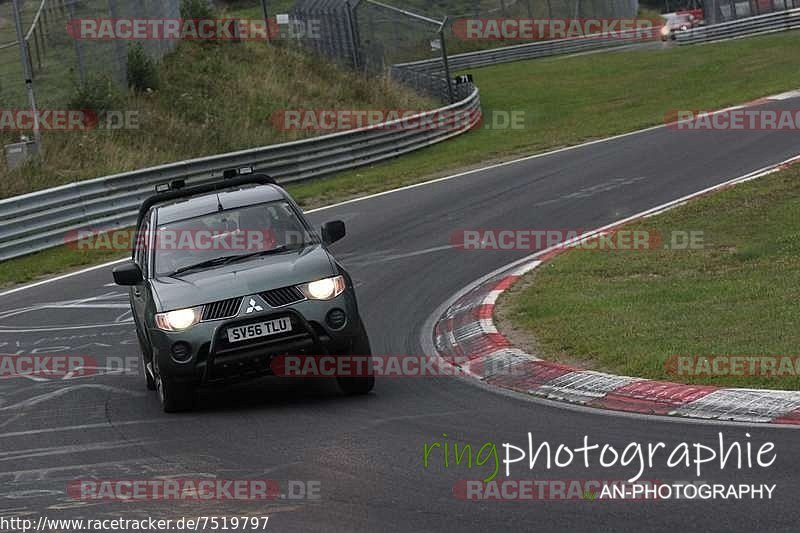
[253,306]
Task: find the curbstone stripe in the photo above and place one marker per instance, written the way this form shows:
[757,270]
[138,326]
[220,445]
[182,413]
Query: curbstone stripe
[466,337]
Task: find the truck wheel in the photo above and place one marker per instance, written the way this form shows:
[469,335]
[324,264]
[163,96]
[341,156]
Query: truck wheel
[150,383]
[175,397]
[361,384]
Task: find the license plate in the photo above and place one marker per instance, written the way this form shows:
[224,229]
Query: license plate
[262,329]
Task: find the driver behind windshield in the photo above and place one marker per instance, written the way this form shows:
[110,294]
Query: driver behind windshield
[232,233]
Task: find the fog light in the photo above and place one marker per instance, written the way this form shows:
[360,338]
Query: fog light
[181,352]
[336,319]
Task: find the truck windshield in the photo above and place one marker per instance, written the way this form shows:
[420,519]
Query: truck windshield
[214,238]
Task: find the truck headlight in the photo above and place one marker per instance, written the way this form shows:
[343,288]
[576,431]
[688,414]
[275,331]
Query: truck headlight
[323,289]
[179,320]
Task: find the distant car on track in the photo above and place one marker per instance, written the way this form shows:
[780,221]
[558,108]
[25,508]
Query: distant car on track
[676,22]
[208,312]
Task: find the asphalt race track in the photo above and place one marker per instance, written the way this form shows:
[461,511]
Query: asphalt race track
[366,453]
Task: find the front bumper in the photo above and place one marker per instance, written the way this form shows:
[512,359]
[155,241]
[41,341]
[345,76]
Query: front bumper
[212,359]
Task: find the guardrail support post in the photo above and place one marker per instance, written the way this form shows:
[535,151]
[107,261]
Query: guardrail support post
[354,37]
[78,48]
[265,11]
[442,40]
[37,47]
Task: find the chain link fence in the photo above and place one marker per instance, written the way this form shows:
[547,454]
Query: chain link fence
[12,79]
[522,8]
[723,10]
[375,36]
[715,10]
[60,62]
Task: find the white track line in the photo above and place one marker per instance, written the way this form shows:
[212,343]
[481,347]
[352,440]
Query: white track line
[760,101]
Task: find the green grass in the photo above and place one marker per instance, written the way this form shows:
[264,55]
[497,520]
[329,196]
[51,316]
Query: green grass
[8,33]
[213,98]
[648,12]
[564,101]
[629,312]
[12,89]
[252,8]
[53,56]
[55,80]
[53,261]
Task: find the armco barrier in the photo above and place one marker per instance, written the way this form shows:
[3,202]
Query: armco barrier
[532,50]
[44,219]
[769,23]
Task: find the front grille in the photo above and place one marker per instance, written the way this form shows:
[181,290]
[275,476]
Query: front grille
[239,370]
[284,296]
[222,309]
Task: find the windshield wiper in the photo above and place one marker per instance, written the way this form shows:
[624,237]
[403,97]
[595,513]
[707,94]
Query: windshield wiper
[225,260]
[205,264]
[276,250]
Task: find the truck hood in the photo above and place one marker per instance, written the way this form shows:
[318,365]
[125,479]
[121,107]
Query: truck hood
[242,279]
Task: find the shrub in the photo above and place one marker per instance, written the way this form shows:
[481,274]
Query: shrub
[142,71]
[100,94]
[196,9]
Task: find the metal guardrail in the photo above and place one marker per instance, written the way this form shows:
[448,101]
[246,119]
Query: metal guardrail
[769,23]
[492,56]
[52,217]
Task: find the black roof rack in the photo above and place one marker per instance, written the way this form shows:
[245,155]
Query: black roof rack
[186,192]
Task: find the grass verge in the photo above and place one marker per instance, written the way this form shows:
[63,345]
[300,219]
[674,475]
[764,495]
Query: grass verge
[634,312]
[213,98]
[563,101]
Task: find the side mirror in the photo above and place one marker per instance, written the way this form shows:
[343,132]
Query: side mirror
[128,273]
[333,231]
